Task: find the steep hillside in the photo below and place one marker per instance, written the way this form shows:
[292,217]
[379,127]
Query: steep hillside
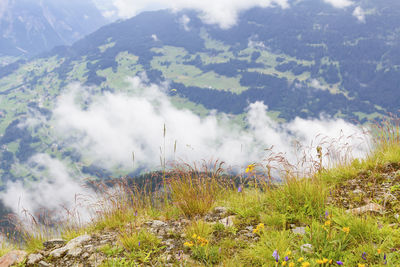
[303,61]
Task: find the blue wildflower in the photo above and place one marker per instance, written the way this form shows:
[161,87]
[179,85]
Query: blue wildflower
[339,263]
[276,255]
[364,256]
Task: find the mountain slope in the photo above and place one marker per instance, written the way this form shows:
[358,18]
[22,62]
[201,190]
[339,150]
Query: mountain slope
[29,27]
[304,61]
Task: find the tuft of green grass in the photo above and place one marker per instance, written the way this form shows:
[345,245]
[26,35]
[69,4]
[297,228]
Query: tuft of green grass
[260,254]
[141,246]
[199,228]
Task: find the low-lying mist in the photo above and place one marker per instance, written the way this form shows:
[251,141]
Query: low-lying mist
[108,128]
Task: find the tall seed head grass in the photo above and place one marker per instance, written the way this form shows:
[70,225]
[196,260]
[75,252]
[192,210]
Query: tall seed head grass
[194,190]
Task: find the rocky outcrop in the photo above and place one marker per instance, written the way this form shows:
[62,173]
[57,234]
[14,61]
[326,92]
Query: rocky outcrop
[86,250]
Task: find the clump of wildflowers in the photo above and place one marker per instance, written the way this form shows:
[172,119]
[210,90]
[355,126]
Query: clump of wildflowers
[197,240]
[200,240]
[260,227]
[323,261]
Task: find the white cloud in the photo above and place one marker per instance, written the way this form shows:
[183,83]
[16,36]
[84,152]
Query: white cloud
[115,125]
[359,13]
[185,20]
[339,3]
[221,12]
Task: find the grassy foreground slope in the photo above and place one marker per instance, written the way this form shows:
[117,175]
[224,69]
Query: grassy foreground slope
[347,215]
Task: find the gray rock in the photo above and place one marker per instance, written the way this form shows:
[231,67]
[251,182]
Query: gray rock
[156,224]
[299,230]
[54,242]
[59,252]
[371,207]
[96,259]
[220,210]
[78,241]
[43,264]
[34,258]
[306,248]
[228,221]
[358,192]
[71,245]
[75,252]
[250,228]
[85,255]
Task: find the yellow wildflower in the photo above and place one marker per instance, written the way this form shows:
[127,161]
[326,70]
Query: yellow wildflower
[284,263]
[291,264]
[361,265]
[305,264]
[328,223]
[259,227]
[325,260]
[300,259]
[346,229]
[188,244]
[250,168]
[379,251]
[319,261]
[330,261]
[288,253]
[194,236]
